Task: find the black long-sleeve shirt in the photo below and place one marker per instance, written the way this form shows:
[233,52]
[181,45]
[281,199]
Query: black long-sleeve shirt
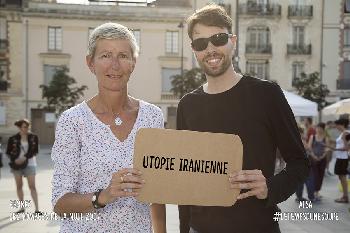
[257,111]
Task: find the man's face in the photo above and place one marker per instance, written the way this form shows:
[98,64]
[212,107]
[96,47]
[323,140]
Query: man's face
[213,60]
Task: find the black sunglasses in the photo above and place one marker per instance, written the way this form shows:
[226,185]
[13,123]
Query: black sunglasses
[219,39]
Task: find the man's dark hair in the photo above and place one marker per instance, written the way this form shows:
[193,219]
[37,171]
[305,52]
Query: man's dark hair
[210,15]
[343,122]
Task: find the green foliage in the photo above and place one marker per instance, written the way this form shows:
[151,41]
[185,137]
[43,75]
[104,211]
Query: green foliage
[191,80]
[310,87]
[60,94]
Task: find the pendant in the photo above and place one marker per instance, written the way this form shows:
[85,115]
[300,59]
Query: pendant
[118,121]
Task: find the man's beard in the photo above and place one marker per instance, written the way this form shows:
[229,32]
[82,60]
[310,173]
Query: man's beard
[215,72]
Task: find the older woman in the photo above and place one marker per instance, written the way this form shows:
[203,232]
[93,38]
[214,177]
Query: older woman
[93,151]
[22,149]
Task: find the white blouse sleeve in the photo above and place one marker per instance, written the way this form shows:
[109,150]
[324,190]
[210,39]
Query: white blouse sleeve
[158,118]
[66,157]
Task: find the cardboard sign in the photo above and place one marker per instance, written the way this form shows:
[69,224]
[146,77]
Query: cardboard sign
[187,167]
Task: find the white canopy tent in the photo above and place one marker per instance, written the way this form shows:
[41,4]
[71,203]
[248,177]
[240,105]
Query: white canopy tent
[338,108]
[300,106]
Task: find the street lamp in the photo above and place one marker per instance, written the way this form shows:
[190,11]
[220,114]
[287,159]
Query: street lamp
[181,25]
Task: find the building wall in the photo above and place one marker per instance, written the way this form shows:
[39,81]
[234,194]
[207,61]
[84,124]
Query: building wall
[12,99]
[331,46]
[75,20]
[280,63]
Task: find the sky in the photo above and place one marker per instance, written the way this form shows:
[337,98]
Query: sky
[87,1]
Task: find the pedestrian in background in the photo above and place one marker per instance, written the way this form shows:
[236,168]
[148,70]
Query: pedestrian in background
[310,130]
[22,149]
[310,180]
[318,144]
[332,134]
[342,156]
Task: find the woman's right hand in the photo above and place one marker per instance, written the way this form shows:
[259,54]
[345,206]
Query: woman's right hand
[19,161]
[124,183]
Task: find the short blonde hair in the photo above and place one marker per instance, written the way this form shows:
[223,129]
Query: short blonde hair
[112,31]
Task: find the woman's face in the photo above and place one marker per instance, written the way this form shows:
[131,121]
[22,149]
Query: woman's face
[319,130]
[112,64]
[24,128]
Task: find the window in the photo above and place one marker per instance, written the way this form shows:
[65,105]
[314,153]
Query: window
[2,29]
[2,113]
[347,37]
[3,70]
[171,42]
[299,2]
[55,38]
[262,2]
[258,68]
[346,69]
[297,69]
[347,6]
[49,71]
[298,35]
[167,73]
[137,34]
[258,36]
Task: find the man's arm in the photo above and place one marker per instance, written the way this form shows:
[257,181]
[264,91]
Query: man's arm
[285,134]
[287,138]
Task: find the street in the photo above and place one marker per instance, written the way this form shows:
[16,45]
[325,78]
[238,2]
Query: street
[329,192]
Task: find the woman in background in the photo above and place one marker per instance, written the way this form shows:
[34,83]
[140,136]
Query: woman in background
[22,149]
[318,153]
[342,156]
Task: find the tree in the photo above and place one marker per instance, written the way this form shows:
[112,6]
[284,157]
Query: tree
[310,87]
[60,94]
[191,80]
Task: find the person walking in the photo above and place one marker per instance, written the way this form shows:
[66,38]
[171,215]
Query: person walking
[342,156]
[310,180]
[22,149]
[318,144]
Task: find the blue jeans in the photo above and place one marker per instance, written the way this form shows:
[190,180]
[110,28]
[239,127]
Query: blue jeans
[310,187]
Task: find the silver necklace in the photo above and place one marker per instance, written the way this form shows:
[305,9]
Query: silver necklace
[118,121]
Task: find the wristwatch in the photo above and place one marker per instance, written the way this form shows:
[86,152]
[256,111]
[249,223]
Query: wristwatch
[94,200]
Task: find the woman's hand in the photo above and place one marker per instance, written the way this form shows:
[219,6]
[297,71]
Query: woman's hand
[124,183]
[19,161]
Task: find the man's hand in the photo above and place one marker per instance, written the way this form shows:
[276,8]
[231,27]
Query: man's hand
[253,180]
